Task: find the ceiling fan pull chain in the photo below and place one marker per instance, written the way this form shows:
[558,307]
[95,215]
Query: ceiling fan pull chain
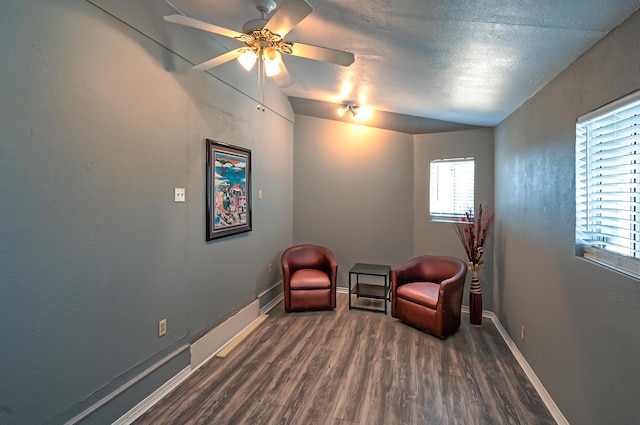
[260,69]
[258,76]
[262,81]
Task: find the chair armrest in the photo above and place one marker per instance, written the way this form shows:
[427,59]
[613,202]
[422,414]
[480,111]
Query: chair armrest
[453,283]
[330,267]
[451,291]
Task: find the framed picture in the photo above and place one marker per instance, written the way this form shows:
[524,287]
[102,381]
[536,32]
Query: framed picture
[228,190]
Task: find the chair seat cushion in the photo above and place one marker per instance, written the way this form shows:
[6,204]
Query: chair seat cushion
[309,279]
[423,293]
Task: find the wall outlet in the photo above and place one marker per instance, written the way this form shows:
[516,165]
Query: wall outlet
[178,194]
[522,332]
[270,268]
[162,327]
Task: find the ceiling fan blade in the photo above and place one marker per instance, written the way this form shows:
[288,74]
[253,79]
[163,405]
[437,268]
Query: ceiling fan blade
[283,79]
[288,15]
[219,60]
[204,26]
[324,54]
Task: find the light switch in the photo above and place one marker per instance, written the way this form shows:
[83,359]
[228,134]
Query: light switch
[178,194]
[260,194]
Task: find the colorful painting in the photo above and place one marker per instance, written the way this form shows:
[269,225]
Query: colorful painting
[228,190]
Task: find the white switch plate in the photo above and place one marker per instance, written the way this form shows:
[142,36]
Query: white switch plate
[178,194]
[260,194]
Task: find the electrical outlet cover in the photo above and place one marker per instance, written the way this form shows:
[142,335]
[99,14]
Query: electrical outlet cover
[179,194]
[162,327]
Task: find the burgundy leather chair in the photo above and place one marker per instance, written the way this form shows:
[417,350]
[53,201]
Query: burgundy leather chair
[309,273]
[426,292]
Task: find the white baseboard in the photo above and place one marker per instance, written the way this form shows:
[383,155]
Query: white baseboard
[485,313]
[80,417]
[153,398]
[214,340]
[228,348]
[201,351]
[274,301]
[272,304]
[542,391]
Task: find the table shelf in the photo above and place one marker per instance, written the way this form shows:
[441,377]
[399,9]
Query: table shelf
[370,291]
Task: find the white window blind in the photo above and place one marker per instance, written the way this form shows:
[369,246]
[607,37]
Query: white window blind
[608,185]
[451,188]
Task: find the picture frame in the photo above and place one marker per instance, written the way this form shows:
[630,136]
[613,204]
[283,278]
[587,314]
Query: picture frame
[228,190]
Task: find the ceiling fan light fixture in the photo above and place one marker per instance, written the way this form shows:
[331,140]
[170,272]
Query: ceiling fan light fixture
[265,45]
[271,68]
[272,58]
[247,60]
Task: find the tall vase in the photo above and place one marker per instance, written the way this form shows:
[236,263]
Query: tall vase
[475,296]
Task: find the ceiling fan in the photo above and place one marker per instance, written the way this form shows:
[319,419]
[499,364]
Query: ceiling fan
[264,38]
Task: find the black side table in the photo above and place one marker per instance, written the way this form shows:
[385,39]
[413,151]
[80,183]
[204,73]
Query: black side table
[367,290]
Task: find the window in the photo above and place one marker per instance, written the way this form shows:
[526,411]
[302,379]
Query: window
[451,188]
[608,185]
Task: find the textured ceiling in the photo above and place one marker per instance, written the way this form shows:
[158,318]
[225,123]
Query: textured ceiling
[428,62]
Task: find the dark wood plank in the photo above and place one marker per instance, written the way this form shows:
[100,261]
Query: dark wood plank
[348,367]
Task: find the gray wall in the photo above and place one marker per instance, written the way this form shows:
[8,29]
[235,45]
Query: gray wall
[353,191]
[363,192]
[98,124]
[582,333]
[436,238]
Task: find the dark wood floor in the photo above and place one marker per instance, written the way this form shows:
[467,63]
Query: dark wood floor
[356,367]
